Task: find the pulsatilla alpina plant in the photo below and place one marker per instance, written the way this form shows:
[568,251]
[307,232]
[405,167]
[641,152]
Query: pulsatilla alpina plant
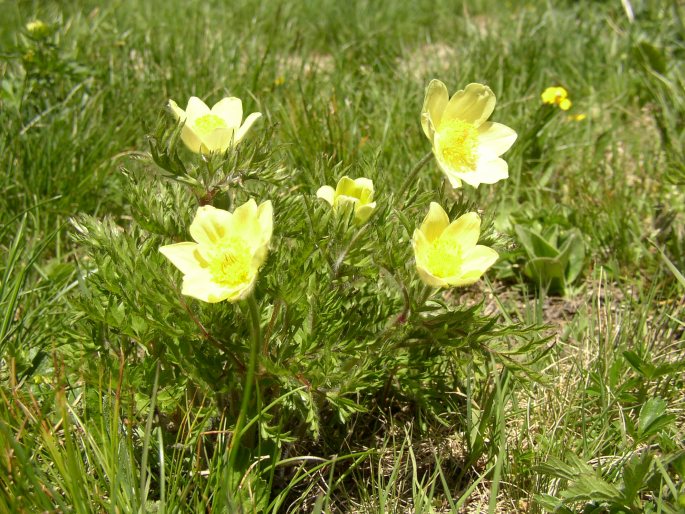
[213,130]
[466,146]
[446,253]
[290,303]
[229,250]
[357,193]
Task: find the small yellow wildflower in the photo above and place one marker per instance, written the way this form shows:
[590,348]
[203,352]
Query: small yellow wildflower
[213,130]
[447,254]
[37,29]
[279,81]
[357,192]
[230,248]
[556,95]
[466,146]
[579,117]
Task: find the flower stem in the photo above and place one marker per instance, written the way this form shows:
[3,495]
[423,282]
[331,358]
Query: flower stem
[412,174]
[255,330]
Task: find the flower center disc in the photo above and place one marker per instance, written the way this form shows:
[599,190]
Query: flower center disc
[443,258]
[458,142]
[229,263]
[209,123]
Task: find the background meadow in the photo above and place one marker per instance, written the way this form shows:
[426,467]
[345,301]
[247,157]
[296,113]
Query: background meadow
[554,384]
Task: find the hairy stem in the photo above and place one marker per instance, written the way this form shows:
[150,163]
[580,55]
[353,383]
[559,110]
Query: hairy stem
[413,173]
[255,344]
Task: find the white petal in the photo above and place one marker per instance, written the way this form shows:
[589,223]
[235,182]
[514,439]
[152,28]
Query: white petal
[230,110]
[183,256]
[190,139]
[210,225]
[326,193]
[196,108]
[473,104]
[487,172]
[218,140]
[249,121]
[434,104]
[179,113]
[201,286]
[496,137]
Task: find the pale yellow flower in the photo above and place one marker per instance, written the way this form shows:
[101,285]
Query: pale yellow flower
[447,254]
[213,130]
[224,262]
[556,95]
[357,193]
[466,146]
[37,28]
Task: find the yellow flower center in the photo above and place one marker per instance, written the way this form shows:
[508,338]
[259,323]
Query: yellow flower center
[208,123]
[444,258]
[459,144]
[229,262]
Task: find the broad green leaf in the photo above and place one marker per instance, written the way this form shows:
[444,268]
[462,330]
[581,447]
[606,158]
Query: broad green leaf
[653,417]
[573,251]
[534,244]
[634,474]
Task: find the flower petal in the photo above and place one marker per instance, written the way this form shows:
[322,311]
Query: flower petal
[246,222]
[473,104]
[249,121]
[326,193]
[190,139]
[210,225]
[365,187]
[478,259]
[265,217]
[452,175]
[465,230]
[179,113]
[420,245]
[347,187]
[496,137]
[196,108]
[487,172]
[434,104]
[188,136]
[435,222]
[254,224]
[230,110]
[265,214]
[183,256]
[218,140]
[363,212]
[429,279]
[201,286]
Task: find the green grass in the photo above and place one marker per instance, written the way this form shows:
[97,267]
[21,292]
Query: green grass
[588,417]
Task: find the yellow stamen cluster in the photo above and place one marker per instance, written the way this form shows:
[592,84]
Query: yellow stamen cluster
[444,258]
[229,263]
[208,123]
[458,142]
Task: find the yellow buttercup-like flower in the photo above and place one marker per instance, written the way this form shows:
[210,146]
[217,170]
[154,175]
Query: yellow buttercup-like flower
[38,29]
[556,95]
[213,130]
[447,254]
[230,248]
[357,192]
[466,146]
